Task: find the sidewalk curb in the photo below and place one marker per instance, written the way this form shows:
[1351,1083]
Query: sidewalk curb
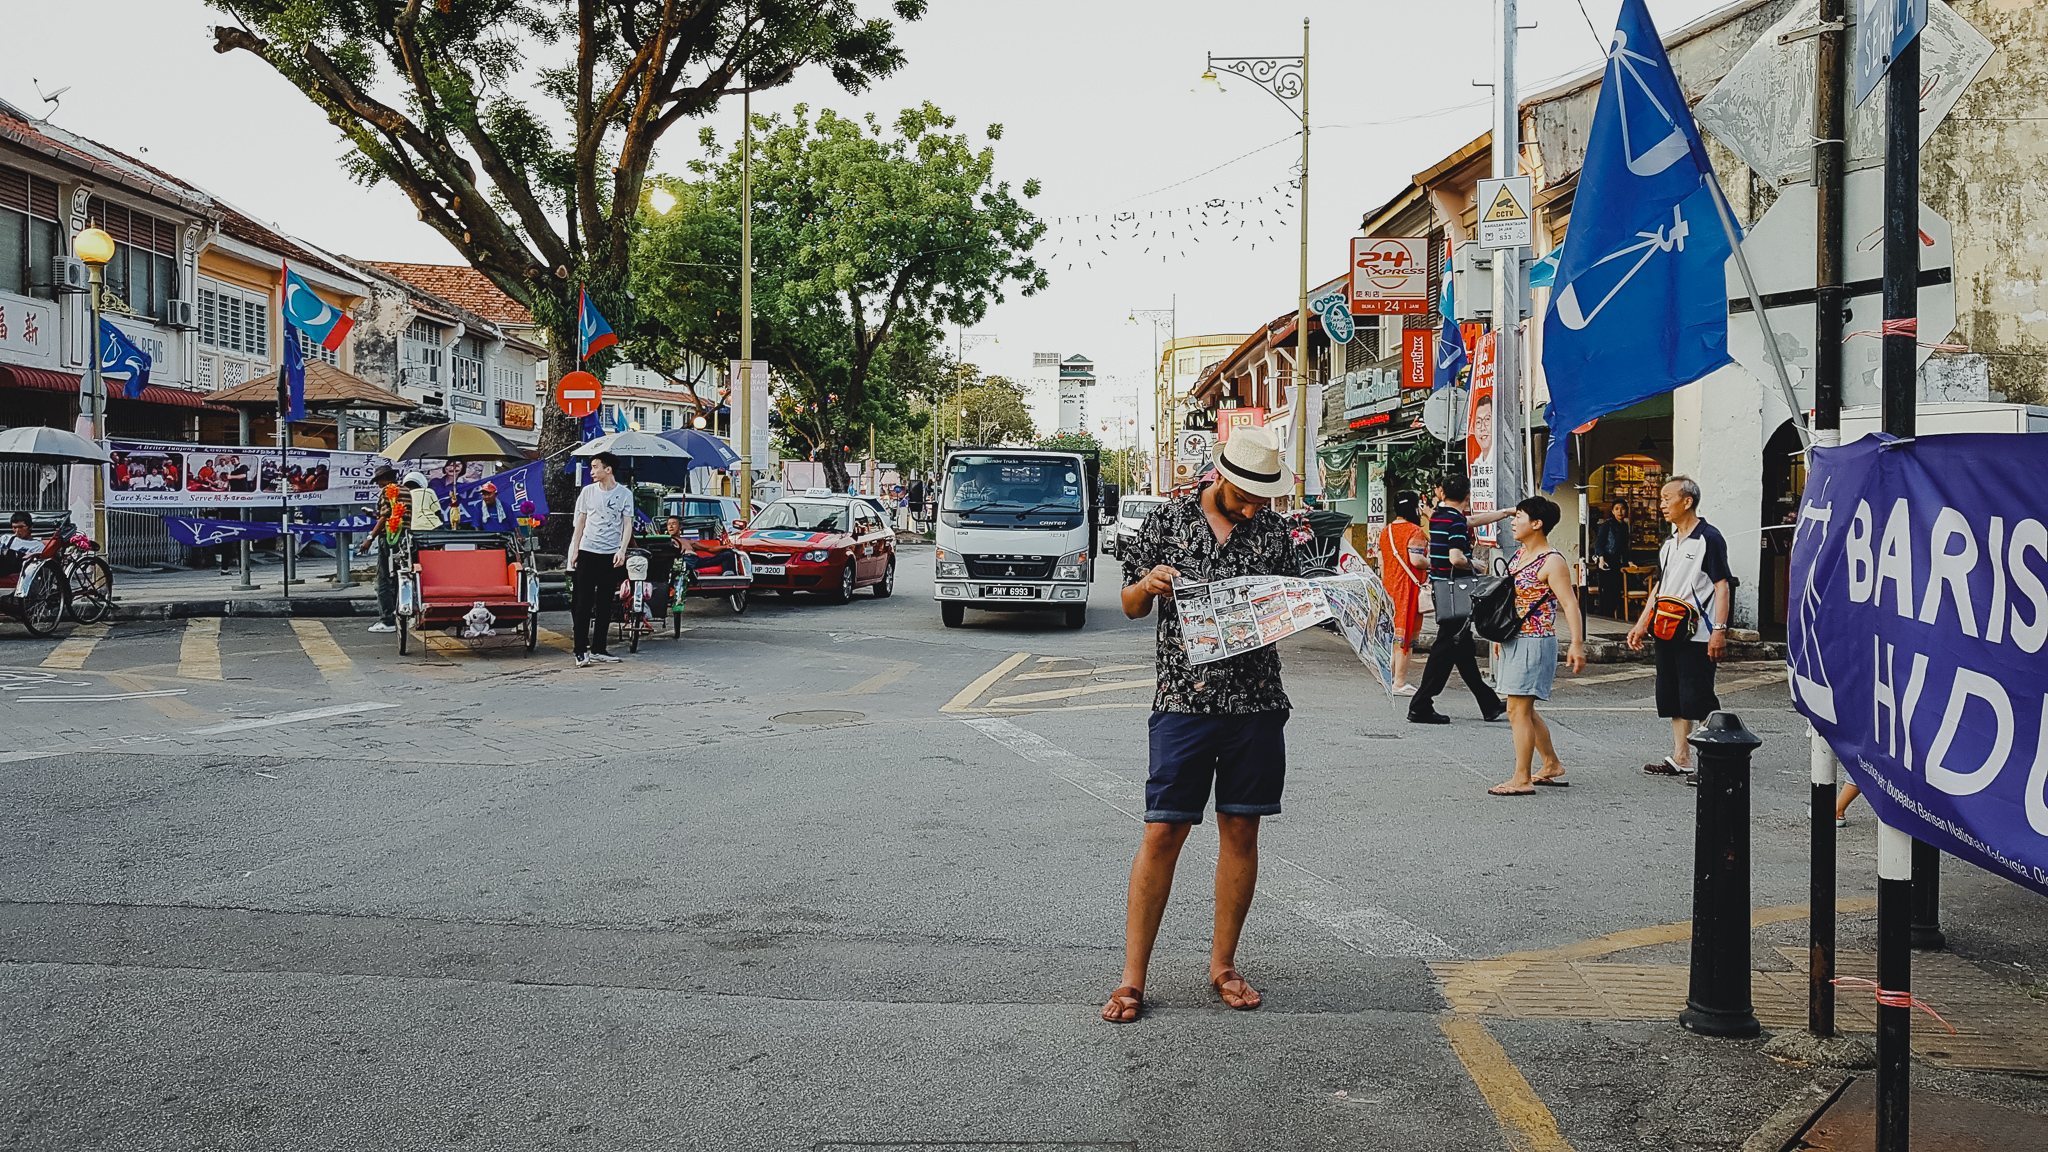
[311,606]
[1783,1130]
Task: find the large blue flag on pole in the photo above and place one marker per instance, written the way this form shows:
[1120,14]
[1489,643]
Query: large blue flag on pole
[1450,357]
[294,376]
[121,360]
[1640,304]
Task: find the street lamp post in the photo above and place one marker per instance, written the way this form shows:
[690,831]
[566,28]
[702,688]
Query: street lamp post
[94,248]
[1162,379]
[962,341]
[747,304]
[1286,77]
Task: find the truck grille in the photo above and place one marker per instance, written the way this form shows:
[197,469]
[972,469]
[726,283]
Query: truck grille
[998,567]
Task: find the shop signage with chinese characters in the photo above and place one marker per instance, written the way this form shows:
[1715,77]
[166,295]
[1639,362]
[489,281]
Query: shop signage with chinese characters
[513,414]
[1389,275]
[28,330]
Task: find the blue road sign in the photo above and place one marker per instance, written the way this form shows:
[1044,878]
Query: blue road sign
[1882,28]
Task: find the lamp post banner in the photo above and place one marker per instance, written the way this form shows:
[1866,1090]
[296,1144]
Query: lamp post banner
[1921,569]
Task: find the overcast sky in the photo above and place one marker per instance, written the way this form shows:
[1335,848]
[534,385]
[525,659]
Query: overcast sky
[1094,97]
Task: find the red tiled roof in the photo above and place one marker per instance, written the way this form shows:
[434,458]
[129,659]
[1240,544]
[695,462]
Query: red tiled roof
[92,156]
[460,284]
[242,228]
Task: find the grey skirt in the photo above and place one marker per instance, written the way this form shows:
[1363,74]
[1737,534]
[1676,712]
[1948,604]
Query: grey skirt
[1527,667]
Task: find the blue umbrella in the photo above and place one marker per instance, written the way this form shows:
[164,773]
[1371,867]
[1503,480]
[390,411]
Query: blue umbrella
[706,450]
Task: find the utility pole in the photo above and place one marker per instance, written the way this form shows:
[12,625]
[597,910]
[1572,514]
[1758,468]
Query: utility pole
[1898,855]
[1301,371]
[747,304]
[1507,270]
[1831,150]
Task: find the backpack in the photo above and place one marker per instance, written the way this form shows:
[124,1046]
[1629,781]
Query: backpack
[1493,606]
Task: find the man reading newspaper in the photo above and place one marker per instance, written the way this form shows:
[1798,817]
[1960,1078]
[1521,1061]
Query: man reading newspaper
[1218,723]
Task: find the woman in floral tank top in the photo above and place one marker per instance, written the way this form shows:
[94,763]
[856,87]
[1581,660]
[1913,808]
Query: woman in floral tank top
[1528,663]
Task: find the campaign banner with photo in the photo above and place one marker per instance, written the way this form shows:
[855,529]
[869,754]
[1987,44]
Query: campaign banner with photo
[1919,582]
[1481,461]
[145,474]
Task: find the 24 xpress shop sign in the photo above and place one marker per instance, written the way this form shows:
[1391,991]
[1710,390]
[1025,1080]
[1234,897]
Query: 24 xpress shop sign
[1916,646]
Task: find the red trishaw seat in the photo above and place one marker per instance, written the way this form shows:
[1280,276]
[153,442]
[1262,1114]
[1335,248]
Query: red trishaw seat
[480,574]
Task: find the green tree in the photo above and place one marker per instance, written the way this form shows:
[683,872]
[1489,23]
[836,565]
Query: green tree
[992,412]
[867,237]
[423,94]
[1071,442]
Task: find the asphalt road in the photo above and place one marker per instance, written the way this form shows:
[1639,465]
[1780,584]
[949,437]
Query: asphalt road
[818,876]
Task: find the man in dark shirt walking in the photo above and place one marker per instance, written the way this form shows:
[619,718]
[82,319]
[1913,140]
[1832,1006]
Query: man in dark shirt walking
[1221,723]
[1450,554]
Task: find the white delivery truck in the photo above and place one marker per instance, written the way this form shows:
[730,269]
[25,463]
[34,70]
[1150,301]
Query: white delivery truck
[1017,529]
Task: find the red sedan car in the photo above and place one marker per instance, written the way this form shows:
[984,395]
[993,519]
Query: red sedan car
[821,542]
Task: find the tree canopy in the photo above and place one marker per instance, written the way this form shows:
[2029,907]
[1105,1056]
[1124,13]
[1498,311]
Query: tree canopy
[867,237]
[435,98]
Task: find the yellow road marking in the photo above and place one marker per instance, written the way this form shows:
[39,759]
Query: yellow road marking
[70,654]
[963,701]
[1081,672]
[447,645]
[1523,1118]
[1069,693]
[199,651]
[326,655]
[880,680]
[554,639]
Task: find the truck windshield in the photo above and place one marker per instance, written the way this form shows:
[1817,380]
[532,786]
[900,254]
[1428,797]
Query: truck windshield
[804,516]
[1012,484]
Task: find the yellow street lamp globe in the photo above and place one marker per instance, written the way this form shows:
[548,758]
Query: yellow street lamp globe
[697,422]
[1208,82]
[93,246]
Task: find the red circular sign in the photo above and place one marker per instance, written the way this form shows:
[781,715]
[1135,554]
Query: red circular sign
[579,394]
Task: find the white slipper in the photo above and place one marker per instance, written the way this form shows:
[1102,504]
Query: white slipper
[1405,690]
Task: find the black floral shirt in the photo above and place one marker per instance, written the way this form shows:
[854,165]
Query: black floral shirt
[1179,534]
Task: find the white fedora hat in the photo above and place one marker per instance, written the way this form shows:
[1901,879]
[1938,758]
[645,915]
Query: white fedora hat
[1250,460]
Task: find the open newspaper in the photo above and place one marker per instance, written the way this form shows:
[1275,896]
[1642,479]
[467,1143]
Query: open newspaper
[1224,618]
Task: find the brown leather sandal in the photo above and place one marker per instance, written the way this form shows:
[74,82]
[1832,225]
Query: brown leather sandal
[1239,1001]
[1124,999]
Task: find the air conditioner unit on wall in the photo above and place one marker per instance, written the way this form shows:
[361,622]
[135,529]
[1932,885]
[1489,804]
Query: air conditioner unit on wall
[68,274]
[178,314]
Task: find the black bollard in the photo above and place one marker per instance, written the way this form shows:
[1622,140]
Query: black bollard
[1718,1003]
[1927,933]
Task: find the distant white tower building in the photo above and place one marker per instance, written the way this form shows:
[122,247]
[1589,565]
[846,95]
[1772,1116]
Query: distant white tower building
[1077,379]
[1042,390]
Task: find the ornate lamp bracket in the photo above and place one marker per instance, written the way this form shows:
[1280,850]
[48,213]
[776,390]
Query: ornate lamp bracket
[1279,75]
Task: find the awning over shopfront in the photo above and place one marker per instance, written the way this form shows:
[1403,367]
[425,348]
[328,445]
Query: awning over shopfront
[69,383]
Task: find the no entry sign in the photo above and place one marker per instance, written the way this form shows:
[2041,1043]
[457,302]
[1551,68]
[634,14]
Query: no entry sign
[579,394]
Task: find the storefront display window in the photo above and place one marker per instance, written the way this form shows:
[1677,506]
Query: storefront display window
[1635,481]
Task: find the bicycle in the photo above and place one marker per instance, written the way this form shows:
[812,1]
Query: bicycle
[66,578]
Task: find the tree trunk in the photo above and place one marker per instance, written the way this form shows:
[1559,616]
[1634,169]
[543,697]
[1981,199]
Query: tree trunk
[834,458]
[559,432]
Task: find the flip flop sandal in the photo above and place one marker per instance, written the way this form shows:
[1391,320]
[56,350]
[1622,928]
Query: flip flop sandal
[1228,977]
[1550,782]
[1124,999]
[1665,767]
[1497,792]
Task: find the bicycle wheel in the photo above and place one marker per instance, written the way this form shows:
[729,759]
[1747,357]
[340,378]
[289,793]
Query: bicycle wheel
[42,602]
[92,589]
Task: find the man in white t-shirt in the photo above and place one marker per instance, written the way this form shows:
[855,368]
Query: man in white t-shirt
[1692,566]
[597,551]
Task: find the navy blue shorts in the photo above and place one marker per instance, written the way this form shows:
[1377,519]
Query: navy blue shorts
[1246,756]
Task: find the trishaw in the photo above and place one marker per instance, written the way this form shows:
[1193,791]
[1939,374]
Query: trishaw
[445,575]
[64,576]
[662,573]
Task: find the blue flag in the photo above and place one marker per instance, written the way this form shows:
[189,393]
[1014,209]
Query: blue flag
[1450,358]
[121,360]
[206,533]
[306,311]
[294,375]
[515,486]
[1640,304]
[593,335]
